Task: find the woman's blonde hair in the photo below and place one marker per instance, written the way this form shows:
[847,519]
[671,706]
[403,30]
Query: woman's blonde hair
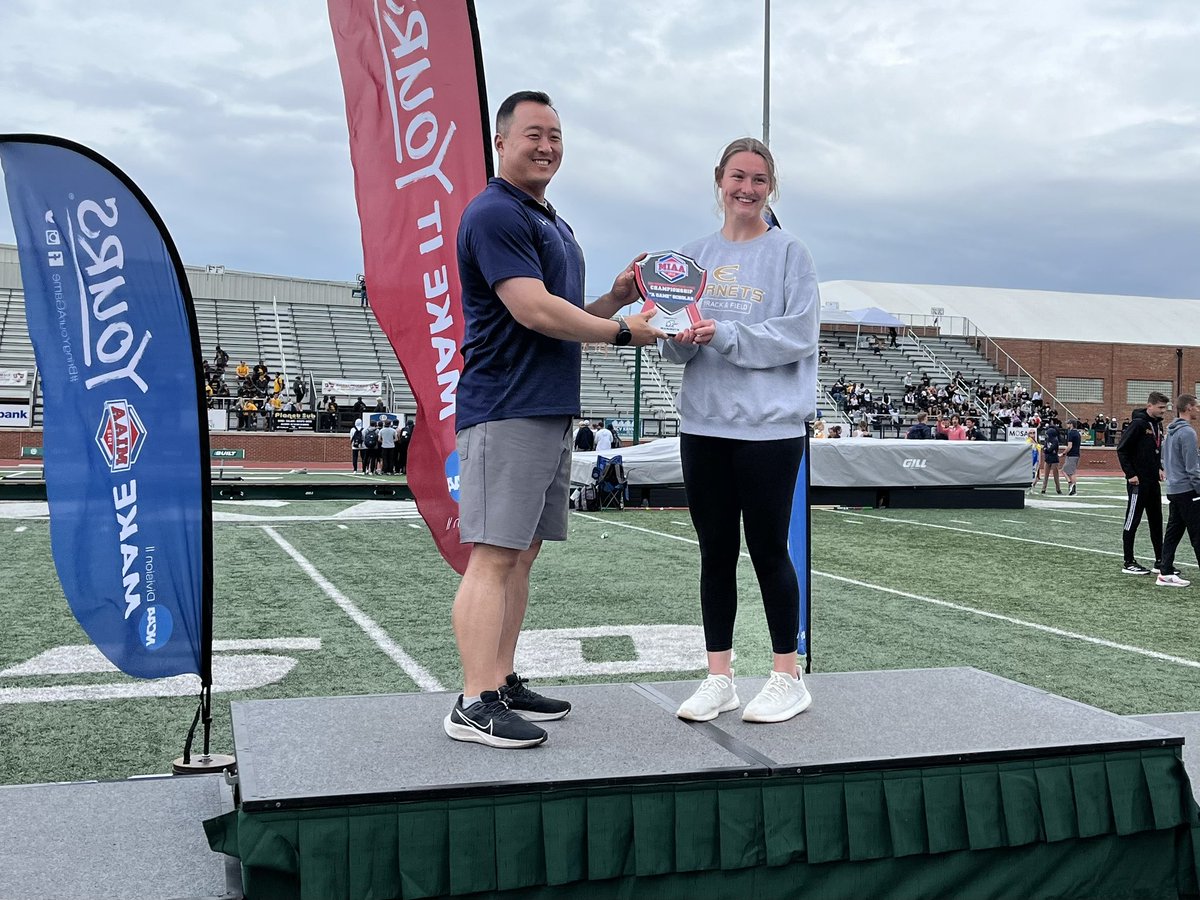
[749,145]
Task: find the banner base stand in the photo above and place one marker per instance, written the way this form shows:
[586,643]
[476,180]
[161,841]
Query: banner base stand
[208,764]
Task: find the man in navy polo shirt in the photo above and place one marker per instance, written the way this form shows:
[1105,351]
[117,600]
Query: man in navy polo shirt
[522,288]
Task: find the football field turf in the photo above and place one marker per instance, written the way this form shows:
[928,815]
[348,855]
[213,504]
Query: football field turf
[342,597]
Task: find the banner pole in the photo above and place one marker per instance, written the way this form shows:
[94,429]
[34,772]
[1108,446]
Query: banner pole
[807,601]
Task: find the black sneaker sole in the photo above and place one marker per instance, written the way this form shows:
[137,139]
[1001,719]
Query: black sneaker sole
[468,734]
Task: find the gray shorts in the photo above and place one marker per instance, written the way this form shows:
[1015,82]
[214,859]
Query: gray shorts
[1070,464]
[515,479]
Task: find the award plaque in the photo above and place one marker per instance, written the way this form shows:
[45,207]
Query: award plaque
[671,284]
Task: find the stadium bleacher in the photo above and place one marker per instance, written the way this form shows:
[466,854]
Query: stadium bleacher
[330,340]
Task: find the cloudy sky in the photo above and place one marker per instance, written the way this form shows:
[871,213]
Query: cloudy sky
[975,142]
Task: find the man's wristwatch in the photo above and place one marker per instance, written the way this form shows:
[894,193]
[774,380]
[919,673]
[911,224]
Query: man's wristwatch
[624,335]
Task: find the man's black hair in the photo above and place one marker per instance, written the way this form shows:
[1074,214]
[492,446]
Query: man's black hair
[505,113]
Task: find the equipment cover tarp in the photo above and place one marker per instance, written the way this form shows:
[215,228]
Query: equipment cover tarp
[853,462]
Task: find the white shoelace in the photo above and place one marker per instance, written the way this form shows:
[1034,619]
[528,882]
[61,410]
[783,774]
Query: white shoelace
[711,688]
[778,686]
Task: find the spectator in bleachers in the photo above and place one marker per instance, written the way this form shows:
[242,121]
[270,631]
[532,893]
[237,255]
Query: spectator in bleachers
[279,384]
[356,445]
[359,407]
[331,414]
[956,431]
[835,431]
[298,387]
[908,381]
[261,384]
[864,429]
[818,431]
[248,415]
[274,406]
[379,407]
[242,370]
[892,337]
[260,369]
[942,430]
[823,356]
[974,433]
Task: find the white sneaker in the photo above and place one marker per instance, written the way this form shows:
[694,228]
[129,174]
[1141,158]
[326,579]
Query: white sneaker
[1172,581]
[781,698]
[716,694]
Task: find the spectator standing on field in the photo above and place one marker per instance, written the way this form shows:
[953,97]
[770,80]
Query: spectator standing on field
[1181,463]
[387,444]
[920,431]
[403,439]
[1071,460]
[356,446]
[371,449]
[604,438]
[1050,459]
[585,440]
[1139,454]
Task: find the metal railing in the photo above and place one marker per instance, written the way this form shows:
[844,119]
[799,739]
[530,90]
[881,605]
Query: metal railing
[981,409]
[649,365]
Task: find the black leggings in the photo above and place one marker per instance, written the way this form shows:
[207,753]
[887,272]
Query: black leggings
[726,478]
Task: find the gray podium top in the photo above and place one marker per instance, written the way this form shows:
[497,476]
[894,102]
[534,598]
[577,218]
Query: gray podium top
[317,751]
[878,719]
[124,840]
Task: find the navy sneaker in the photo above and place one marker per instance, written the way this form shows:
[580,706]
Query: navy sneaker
[489,721]
[531,705]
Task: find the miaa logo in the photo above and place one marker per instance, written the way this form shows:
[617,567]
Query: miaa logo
[121,435]
[671,268]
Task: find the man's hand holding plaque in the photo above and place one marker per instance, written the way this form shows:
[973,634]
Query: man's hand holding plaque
[672,285]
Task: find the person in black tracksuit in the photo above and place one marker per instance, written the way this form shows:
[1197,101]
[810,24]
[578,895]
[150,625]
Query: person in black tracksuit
[1139,452]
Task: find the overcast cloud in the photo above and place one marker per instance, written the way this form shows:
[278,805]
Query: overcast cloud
[1016,144]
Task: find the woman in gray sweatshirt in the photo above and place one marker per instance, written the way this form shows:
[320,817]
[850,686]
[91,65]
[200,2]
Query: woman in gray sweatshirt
[1181,463]
[749,388]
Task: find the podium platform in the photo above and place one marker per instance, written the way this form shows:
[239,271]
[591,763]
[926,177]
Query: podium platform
[938,782]
[116,840]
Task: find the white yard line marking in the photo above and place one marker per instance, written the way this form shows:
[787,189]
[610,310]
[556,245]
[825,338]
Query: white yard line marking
[410,525]
[1059,632]
[1036,626]
[684,524]
[993,534]
[370,627]
[1014,521]
[343,527]
[959,521]
[1062,522]
[20,528]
